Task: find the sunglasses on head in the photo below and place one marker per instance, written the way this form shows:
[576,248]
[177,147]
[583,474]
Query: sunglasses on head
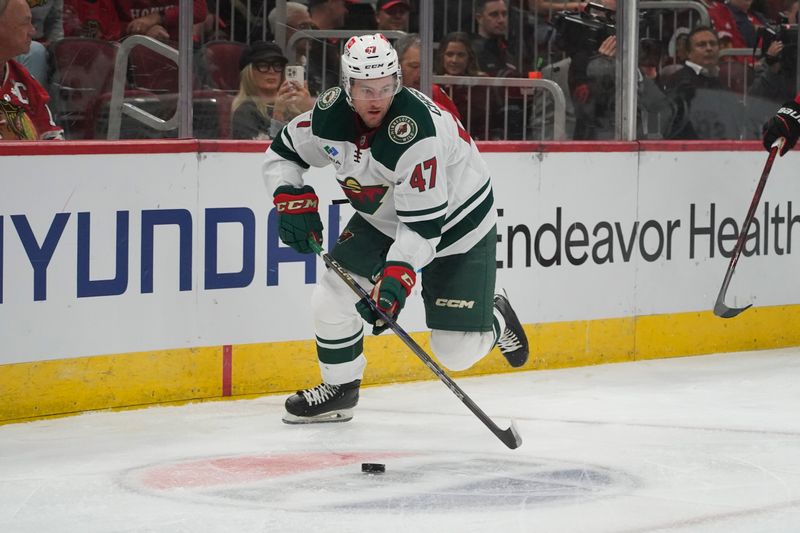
[275,66]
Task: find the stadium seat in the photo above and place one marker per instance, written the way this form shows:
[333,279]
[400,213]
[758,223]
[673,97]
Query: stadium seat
[152,72]
[221,62]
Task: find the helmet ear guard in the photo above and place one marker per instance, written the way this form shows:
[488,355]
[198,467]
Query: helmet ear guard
[369,57]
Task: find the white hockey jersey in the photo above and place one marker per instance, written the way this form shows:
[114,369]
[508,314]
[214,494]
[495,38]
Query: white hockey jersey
[418,177]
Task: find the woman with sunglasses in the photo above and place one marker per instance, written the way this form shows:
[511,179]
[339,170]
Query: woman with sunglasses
[266,100]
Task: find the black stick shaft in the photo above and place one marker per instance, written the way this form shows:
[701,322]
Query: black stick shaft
[510,437]
[720,309]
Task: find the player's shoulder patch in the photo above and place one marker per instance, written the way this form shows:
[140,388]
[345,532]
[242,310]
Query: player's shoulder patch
[408,122]
[403,129]
[410,117]
[328,98]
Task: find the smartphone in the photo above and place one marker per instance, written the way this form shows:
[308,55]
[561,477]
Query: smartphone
[296,74]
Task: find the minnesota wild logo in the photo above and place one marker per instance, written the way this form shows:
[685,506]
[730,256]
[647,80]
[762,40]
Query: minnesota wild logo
[345,236]
[403,129]
[364,198]
[327,98]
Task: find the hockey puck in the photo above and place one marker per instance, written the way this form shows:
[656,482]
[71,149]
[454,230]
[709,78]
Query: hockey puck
[373,468]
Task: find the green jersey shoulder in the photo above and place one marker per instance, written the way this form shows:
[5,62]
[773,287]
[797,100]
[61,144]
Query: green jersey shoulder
[408,121]
[332,118]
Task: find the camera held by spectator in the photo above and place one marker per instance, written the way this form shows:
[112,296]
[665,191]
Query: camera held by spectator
[584,30]
[786,35]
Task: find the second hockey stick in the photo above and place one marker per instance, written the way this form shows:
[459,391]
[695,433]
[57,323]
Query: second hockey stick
[720,309]
[510,437]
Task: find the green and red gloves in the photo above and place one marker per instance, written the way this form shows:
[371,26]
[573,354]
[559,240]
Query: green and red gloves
[785,123]
[298,217]
[389,293]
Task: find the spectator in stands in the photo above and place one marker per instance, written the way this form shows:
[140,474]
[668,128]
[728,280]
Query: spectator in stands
[266,100]
[325,15]
[593,85]
[592,111]
[595,110]
[706,109]
[408,54]
[790,10]
[482,109]
[328,14]
[47,19]
[456,57]
[736,18]
[156,18]
[24,114]
[770,8]
[490,44]
[536,31]
[96,19]
[360,15]
[393,15]
[776,81]
[676,51]
[701,68]
[297,18]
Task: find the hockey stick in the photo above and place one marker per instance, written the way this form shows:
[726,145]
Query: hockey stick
[510,437]
[720,309]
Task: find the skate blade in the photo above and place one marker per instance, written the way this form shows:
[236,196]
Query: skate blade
[342,415]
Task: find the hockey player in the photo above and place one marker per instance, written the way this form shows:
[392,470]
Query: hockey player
[785,123]
[423,202]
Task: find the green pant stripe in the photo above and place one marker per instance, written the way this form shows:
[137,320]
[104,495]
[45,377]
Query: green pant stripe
[333,356]
[346,340]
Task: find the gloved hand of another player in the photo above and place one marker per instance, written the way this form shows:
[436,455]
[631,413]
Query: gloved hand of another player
[298,216]
[785,123]
[389,293]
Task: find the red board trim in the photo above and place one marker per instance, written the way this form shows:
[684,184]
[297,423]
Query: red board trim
[183,146]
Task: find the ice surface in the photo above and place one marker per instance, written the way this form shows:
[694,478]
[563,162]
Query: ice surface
[700,444]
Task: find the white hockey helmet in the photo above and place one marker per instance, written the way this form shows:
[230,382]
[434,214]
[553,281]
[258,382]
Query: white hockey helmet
[369,57]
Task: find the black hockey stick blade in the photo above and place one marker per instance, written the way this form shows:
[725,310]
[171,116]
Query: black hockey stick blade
[720,309]
[723,311]
[510,437]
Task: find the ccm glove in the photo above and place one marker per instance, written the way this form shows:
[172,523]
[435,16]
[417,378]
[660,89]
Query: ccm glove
[298,217]
[389,293]
[785,123]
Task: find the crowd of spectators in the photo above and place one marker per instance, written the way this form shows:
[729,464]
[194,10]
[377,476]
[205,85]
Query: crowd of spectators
[689,87]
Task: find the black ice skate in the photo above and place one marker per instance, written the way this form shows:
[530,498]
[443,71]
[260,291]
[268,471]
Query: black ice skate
[323,403]
[513,342]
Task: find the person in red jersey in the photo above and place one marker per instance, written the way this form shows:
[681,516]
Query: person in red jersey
[97,19]
[24,114]
[155,18]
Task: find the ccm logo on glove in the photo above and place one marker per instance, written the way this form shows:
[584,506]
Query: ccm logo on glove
[285,203]
[298,218]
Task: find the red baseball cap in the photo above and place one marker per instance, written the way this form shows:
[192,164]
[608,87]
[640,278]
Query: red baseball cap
[388,4]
